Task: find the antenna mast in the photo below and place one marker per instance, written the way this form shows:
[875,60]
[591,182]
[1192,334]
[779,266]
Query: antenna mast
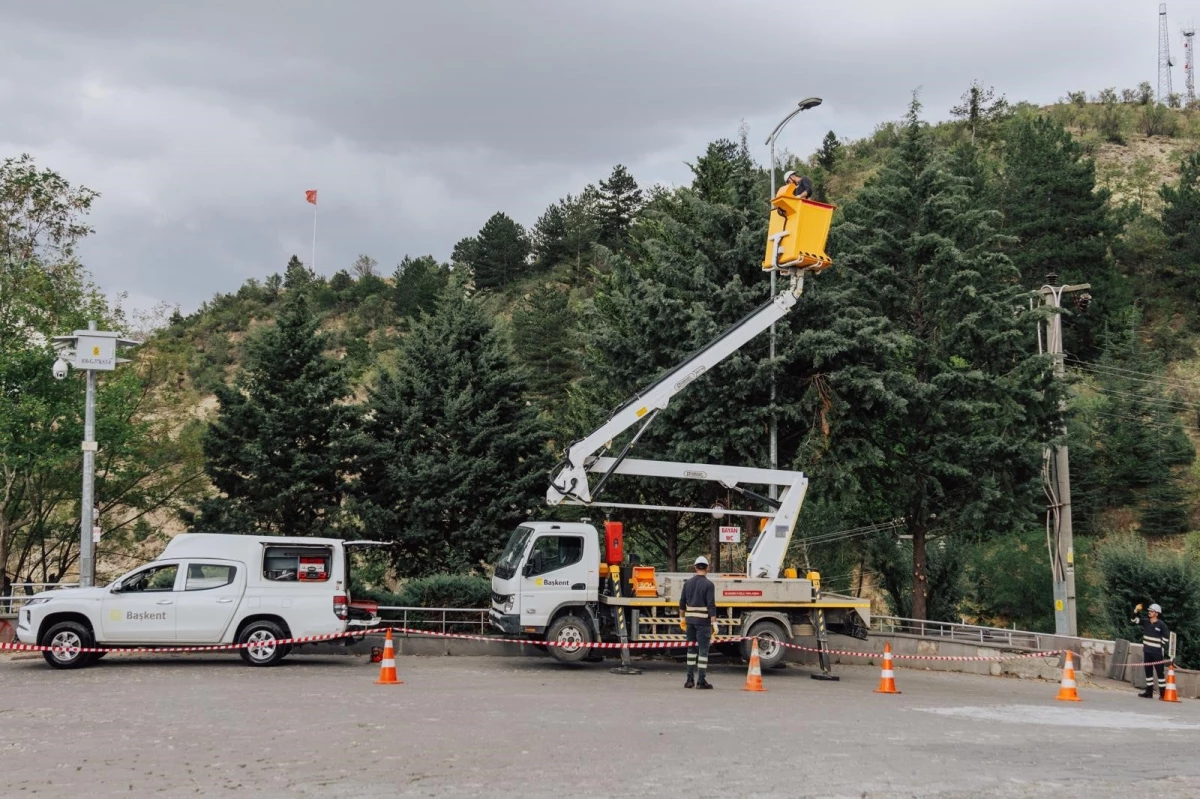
[1189,64]
[1164,57]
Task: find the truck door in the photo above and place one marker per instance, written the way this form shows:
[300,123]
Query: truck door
[141,607]
[554,574]
[212,591]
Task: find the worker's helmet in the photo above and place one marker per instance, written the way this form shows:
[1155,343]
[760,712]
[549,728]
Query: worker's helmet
[788,175]
[1156,609]
[701,562]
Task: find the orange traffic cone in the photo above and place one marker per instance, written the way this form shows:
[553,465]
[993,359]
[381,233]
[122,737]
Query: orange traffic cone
[1169,693]
[1066,691]
[887,678]
[387,671]
[754,673]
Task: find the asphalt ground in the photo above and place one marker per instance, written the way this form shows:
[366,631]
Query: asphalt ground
[493,726]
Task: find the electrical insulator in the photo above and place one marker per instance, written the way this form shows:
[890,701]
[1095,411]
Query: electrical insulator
[1082,301]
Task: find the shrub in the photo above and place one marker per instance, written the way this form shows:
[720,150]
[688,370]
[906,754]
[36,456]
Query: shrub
[1133,575]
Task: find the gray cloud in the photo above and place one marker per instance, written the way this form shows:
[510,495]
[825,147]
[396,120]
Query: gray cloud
[201,124]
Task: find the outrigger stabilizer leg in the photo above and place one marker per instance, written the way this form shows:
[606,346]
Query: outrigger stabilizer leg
[823,650]
[626,666]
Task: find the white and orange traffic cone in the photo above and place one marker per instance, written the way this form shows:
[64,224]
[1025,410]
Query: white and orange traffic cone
[887,677]
[1067,692]
[1169,694]
[387,671]
[754,673]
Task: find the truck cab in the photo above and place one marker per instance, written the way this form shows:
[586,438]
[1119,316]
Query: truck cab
[546,568]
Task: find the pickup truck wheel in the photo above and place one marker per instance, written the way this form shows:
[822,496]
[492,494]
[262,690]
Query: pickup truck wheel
[69,637]
[574,639]
[770,635]
[263,648]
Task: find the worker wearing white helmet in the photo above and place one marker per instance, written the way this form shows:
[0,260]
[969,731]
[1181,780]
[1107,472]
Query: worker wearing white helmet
[795,185]
[1156,637]
[698,606]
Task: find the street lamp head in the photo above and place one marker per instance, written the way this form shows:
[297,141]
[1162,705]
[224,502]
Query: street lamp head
[809,102]
[60,369]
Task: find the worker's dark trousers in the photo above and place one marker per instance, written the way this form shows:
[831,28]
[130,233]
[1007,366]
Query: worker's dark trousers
[1154,674]
[699,636]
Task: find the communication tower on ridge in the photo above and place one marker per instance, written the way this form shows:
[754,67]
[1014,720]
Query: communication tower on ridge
[1164,56]
[1189,65]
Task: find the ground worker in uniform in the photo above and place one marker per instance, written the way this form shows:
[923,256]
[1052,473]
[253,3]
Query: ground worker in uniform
[1155,640]
[698,604]
[795,185]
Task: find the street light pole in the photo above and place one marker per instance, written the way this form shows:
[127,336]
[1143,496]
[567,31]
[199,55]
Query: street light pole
[803,105]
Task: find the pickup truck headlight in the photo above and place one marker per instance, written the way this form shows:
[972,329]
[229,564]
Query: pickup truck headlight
[508,604]
[39,601]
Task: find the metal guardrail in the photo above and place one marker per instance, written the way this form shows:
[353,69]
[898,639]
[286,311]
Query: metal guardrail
[472,621]
[968,633]
[13,603]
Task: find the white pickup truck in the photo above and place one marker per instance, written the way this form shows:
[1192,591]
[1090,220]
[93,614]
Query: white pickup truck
[204,588]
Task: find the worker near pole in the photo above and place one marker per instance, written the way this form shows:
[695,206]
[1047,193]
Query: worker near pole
[1155,639]
[796,185]
[698,604]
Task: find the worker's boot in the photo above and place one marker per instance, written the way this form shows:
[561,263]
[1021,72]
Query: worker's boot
[690,682]
[703,685]
[1148,693]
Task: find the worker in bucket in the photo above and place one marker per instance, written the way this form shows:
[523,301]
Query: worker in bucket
[1155,640]
[698,604]
[795,185]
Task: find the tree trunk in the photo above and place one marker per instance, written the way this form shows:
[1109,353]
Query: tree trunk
[673,542]
[920,581]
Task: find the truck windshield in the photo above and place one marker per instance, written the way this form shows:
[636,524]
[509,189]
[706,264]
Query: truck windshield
[506,567]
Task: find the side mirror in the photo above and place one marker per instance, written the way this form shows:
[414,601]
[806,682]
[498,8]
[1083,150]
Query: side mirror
[116,587]
[528,570]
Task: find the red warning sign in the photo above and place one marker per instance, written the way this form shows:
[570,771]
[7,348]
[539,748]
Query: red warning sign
[740,592]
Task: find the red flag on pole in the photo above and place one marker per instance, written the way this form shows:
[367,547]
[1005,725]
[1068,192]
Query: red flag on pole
[311,196]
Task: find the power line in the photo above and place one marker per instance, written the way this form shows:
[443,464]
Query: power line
[1097,367]
[1164,402]
[1085,373]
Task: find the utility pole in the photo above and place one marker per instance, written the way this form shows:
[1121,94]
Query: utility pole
[91,350]
[803,105]
[1057,470]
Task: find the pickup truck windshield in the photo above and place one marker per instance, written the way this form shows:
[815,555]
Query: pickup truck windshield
[506,567]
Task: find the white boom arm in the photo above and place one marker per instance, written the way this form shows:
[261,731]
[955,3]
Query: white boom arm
[570,485]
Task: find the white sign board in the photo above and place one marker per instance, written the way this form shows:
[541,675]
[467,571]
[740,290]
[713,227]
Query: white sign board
[730,535]
[96,353]
[95,535]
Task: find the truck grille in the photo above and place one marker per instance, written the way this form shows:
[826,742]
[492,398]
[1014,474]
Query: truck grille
[499,599]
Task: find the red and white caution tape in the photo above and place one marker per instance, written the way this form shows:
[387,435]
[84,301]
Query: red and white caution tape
[408,631]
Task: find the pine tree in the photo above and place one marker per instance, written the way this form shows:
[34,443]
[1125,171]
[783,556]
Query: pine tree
[581,217]
[1181,224]
[830,152]
[278,449]
[297,277]
[619,202]
[544,329]
[548,239]
[980,109]
[452,457]
[942,423]
[418,283]
[1060,221]
[498,255]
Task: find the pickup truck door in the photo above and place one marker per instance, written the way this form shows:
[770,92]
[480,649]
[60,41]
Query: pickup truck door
[140,608]
[554,574]
[212,592]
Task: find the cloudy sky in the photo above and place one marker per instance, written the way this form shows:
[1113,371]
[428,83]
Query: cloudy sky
[202,123]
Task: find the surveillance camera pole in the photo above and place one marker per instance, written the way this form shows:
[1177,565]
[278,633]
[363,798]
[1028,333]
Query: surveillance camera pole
[91,350]
[87,546]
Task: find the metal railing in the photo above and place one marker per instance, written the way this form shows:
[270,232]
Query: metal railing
[13,603]
[470,621]
[968,633]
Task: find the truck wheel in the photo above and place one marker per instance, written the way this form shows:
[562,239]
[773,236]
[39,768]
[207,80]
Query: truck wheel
[770,635]
[263,649]
[574,639]
[70,636]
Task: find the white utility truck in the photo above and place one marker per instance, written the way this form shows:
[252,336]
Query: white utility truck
[557,582]
[204,589]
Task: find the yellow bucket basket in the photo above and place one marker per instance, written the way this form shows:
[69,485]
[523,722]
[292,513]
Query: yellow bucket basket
[799,229]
